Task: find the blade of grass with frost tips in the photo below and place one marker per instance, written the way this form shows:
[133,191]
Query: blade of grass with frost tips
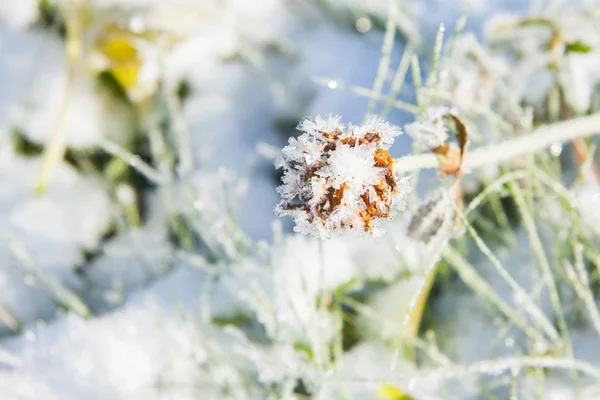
[579,264]
[528,304]
[151,114]
[502,219]
[584,293]
[386,53]
[416,75]
[134,161]
[556,187]
[471,277]
[493,367]
[433,78]
[52,286]
[498,209]
[492,187]
[200,223]
[399,78]
[365,92]
[570,205]
[180,132]
[487,227]
[538,249]
[239,235]
[501,365]
[458,28]
[495,202]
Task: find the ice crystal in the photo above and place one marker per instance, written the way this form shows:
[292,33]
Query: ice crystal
[428,130]
[342,177]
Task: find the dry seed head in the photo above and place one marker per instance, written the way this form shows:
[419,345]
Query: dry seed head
[435,218]
[339,178]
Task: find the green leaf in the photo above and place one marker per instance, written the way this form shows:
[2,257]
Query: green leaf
[304,348]
[577,47]
[237,319]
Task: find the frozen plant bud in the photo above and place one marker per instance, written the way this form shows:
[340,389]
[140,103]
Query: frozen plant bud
[429,130]
[340,178]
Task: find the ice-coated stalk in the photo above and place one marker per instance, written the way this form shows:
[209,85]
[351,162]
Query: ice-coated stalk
[541,138]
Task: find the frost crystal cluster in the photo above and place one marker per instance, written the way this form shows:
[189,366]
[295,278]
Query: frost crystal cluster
[429,131]
[340,178]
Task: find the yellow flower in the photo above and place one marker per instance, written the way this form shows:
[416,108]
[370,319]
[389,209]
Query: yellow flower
[389,392]
[123,59]
[130,53]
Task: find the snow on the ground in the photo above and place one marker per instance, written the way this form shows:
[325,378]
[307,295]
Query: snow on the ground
[54,227]
[128,262]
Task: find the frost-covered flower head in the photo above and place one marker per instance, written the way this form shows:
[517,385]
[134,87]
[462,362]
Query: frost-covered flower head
[429,131]
[342,177]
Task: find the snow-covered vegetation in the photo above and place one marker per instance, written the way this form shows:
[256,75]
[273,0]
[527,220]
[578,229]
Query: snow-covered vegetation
[437,160]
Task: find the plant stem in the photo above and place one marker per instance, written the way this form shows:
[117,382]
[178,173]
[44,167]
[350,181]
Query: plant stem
[416,312]
[55,150]
[527,143]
